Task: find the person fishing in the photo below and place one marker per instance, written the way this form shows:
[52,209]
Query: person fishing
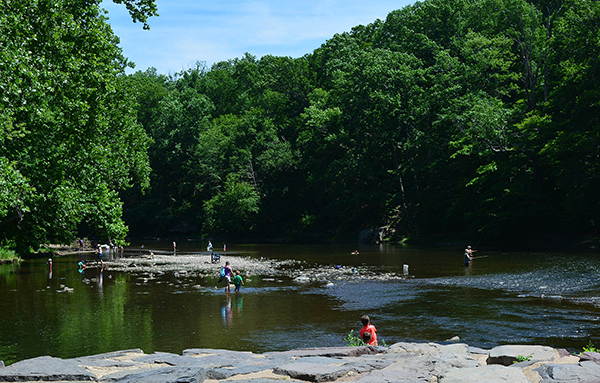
[468,255]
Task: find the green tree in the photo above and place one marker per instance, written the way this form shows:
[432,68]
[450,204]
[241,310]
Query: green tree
[572,146]
[232,212]
[68,125]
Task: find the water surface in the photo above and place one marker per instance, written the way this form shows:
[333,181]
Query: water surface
[503,298]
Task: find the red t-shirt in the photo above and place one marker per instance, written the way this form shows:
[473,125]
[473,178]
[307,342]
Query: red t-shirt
[370,328]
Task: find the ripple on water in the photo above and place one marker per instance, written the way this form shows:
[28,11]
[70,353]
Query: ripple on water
[578,281]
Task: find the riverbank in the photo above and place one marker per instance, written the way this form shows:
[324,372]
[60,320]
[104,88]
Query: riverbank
[8,256]
[10,260]
[401,362]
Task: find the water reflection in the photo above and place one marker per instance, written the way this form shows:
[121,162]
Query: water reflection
[49,270]
[100,283]
[536,298]
[226,311]
[238,303]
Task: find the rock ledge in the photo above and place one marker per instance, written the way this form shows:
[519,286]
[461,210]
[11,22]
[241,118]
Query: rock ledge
[401,362]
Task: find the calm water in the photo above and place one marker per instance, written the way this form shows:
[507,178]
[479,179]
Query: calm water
[527,298]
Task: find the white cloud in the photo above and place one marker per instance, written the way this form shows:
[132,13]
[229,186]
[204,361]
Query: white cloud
[211,31]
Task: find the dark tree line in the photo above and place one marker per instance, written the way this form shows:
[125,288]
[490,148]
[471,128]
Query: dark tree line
[451,119]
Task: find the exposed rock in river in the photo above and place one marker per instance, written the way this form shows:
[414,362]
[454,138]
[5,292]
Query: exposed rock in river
[200,263]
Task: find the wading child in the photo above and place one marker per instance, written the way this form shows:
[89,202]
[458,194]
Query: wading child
[237,281]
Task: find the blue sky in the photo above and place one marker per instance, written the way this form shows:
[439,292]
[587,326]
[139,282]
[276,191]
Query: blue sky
[188,31]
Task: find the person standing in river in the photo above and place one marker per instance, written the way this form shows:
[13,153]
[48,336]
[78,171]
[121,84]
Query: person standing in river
[237,281]
[468,257]
[227,275]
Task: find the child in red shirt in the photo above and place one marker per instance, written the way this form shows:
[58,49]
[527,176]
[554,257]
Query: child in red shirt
[368,327]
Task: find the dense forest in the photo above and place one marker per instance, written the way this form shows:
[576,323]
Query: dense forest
[449,120]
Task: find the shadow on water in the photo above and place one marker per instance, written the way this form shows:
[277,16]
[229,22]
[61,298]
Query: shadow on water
[529,298]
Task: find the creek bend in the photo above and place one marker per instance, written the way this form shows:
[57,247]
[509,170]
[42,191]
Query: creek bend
[545,298]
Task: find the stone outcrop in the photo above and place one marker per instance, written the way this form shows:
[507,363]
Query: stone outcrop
[401,362]
[509,354]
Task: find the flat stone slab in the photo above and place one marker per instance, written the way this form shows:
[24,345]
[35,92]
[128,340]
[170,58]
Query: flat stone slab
[398,376]
[224,364]
[487,374]
[506,355]
[366,363]
[45,368]
[428,348]
[160,375]
[433,364]
[170,359]
[313,371]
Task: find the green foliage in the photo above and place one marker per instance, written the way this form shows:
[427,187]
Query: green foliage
[590,348]
[7,255]
[232,212]
[352,340]
[521,358]
[140,10]
[68,131]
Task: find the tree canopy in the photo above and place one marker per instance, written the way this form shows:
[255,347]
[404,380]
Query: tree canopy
[68,124]
[448,120]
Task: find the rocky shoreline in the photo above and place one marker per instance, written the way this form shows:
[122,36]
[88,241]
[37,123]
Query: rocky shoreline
[401,362]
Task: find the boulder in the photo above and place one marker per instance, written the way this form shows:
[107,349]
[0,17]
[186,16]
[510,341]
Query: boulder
[592,356]
[586,371]
[507,355]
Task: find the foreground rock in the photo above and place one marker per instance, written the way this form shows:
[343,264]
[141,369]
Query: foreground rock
[402,362]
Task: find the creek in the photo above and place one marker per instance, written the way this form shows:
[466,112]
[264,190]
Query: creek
[545,298]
